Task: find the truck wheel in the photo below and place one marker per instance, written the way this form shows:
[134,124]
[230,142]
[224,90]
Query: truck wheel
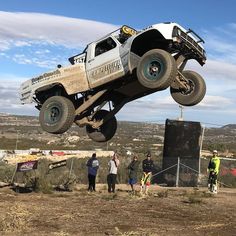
[195,93]
[56,115]
[106,131]
[157,69]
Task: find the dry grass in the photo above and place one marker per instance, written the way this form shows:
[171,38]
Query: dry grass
[196,197]
[110,196]
[61,233]
[120,214]
[162,194]
[131,233]
[16,219]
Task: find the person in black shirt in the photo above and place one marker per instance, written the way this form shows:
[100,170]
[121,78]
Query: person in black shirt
[133,171]
[147,173]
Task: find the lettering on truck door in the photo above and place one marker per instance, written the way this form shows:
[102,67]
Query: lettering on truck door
[105,63]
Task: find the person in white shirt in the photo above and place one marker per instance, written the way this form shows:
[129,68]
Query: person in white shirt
[111,178]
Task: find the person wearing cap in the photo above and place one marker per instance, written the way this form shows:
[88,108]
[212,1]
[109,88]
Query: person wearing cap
[213,169]
[133,171]
[111,177]
[93,166]
[147,173]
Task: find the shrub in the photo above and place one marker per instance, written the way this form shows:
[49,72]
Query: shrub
[193,199]
[43,185]
[6,172]
[162,194]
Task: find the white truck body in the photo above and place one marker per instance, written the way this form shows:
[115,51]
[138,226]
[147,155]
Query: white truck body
[90,71]
[116,69]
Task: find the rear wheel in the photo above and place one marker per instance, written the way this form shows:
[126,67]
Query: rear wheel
[157,69]
[106,131]
[195,92]
[56,115]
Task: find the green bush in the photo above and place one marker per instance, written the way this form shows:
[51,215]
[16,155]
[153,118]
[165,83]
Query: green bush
[43,185]
[6,172]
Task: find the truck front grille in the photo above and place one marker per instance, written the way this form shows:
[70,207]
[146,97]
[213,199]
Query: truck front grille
[192,42]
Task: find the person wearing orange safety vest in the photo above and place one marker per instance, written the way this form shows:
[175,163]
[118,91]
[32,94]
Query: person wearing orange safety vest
[213,170]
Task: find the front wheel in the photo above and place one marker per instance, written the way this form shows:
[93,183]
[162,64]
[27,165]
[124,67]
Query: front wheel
[56,115]
[195,92]
[157,69]
[106,131]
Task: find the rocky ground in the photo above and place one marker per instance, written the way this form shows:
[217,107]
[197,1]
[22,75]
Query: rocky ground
[165,211]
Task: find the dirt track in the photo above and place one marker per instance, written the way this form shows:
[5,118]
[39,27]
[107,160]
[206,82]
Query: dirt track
[165,212]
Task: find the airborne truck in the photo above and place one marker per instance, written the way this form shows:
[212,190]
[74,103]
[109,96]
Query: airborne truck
[114,70]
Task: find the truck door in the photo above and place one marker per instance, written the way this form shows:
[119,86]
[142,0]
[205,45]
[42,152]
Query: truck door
[103,62]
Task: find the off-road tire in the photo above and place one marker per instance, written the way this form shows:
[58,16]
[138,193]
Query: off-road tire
[106,131]
[195,95]
[157,69]
[56,115]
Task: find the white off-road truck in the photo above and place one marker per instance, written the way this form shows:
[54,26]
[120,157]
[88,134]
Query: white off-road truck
[114,70]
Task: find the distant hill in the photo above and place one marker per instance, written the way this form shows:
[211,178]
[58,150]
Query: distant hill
[230,126]
[23,132]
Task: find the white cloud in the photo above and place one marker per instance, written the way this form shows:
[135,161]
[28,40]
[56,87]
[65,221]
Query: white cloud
[4,44]
[215,70]
[42,52]
[21,29]
[213,102]
[21,44]
[220,43]
[39,58]
[9,97]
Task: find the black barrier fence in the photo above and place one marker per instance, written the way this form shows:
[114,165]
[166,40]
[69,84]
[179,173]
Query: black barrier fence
[182,145]
[182,139]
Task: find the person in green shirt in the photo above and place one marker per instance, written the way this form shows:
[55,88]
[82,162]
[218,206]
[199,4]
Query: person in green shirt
[213,170]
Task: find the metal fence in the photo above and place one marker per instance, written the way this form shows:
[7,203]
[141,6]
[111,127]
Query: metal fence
[189,172]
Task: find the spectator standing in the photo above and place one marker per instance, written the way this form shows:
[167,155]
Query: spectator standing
[93,165]
[147,173]
[213,169]
[133,171]
[111,178]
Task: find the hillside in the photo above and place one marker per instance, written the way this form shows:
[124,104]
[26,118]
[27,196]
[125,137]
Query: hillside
[24,132]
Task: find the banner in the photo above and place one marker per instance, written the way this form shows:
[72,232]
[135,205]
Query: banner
[57,164]
[26,166]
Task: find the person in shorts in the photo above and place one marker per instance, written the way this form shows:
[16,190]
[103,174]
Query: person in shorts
[147,173]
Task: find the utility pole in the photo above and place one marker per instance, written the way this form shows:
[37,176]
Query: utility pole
[181,112]
[201,143]
[177,173]
[17,134]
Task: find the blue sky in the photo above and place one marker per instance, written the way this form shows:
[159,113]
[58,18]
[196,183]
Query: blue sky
[35,36]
